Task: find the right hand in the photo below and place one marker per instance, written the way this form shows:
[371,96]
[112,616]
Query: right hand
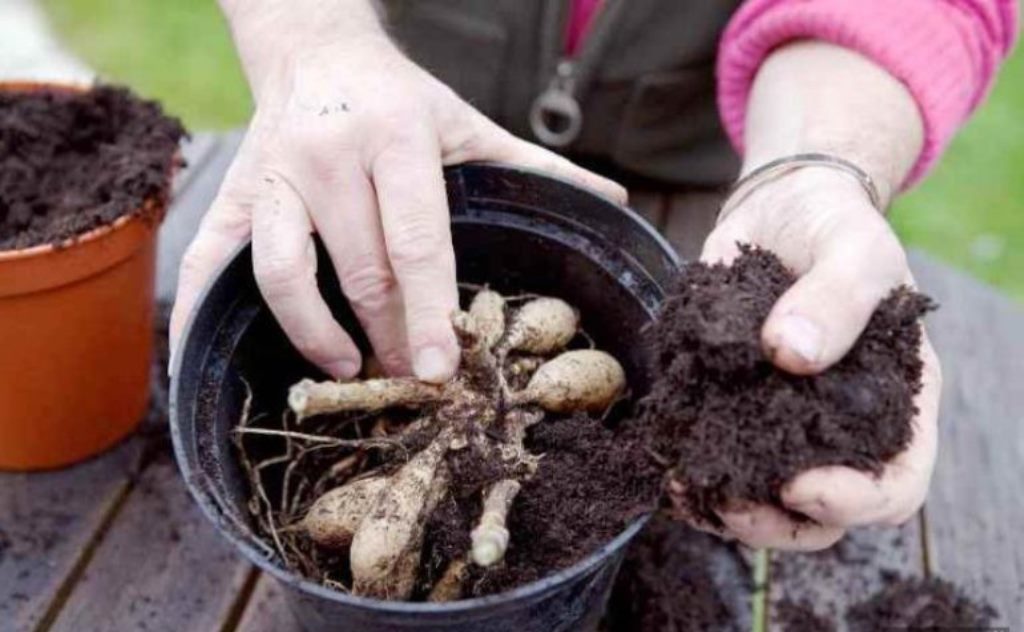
[348,140]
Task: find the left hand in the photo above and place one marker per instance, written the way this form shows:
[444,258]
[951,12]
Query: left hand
[823,227]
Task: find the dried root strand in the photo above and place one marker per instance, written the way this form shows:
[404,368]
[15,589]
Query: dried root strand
[490,537]
[541,326]
[579,380]
[333,519]
[308,397]
[385,552]
[449,587]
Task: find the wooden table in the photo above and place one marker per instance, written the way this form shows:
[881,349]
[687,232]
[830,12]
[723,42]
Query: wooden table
[116,543]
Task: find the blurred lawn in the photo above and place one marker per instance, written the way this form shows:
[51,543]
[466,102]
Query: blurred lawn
[970,212]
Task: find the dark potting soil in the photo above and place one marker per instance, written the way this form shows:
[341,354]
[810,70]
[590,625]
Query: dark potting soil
[591,484]
[734,427]
[799,616]
[74,161]
[666,583]
[918,603]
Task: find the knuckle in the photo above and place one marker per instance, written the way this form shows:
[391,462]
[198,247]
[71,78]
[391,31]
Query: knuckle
[277,275]
[416,243]
[367,285]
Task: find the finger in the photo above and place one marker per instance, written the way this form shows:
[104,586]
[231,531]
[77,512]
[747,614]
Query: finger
[762,526]
[475,137]
[417,235]
[679,510]
[723,243]
[820,317]
[284,262]
[346,216]
[224,228]
[841,496]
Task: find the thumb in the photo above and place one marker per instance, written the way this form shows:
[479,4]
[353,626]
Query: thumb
[478,138]
[819,318]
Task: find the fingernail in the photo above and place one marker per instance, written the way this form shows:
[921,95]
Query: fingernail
[343,369]
[801,336]
[432,365]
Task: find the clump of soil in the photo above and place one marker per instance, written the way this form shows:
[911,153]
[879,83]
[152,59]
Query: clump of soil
[918,603]
[732,427]
[74,161]
[667,583]
[393,488]
[800,616]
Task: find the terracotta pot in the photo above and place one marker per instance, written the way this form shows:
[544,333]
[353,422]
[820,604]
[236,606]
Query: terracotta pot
[76,325]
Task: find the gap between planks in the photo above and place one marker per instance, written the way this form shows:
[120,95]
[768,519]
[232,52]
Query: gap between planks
[67,585]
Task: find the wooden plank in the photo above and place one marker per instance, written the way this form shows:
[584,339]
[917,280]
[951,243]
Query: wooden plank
[188,208]
[651,205]
[690,218]
[49,523]
[832,580]
[974,512]
[161,566]
[268,611]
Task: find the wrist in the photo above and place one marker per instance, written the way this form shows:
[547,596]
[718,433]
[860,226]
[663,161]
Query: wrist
[804,188]
[817,97]
[270,34]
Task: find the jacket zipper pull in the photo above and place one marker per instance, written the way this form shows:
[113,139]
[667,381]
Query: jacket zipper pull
[555,116]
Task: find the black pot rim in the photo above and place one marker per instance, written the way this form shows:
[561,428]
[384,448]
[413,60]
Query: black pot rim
[210,504]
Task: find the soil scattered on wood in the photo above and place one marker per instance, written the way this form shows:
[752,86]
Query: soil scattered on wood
[732,427]
[800,616]
[74,161]
[667,583]
[918,603]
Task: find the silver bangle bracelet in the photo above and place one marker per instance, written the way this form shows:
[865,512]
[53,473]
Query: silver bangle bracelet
[771,170]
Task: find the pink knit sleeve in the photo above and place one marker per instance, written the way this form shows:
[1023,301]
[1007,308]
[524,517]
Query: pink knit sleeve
[945,51]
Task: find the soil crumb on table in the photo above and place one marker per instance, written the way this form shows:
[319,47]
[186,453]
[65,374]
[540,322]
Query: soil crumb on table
[731,426]
[667,583]
[918,603]
[591,484]
[74,161]
[799,616]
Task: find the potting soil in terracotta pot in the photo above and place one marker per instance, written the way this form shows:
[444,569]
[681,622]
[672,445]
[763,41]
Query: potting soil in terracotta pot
[74,161]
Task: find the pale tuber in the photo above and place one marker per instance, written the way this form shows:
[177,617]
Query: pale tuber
[385,551]
[488,313]
[333,519]
[541,326]
[580,380]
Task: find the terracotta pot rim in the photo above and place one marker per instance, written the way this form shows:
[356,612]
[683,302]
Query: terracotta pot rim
[41,250]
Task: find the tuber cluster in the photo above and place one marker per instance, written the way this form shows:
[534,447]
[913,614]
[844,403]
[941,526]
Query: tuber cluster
[516,370]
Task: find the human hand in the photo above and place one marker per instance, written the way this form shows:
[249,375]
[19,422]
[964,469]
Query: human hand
[823,227]
[349,139]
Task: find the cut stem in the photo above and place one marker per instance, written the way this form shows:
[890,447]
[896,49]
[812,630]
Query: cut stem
[490,537]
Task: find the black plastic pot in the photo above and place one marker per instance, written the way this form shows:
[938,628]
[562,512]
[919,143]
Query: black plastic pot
[514,229]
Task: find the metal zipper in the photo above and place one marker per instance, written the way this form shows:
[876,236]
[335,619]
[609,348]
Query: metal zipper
[555,115]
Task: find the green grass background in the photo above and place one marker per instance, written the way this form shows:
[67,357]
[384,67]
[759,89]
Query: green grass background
[970,212]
